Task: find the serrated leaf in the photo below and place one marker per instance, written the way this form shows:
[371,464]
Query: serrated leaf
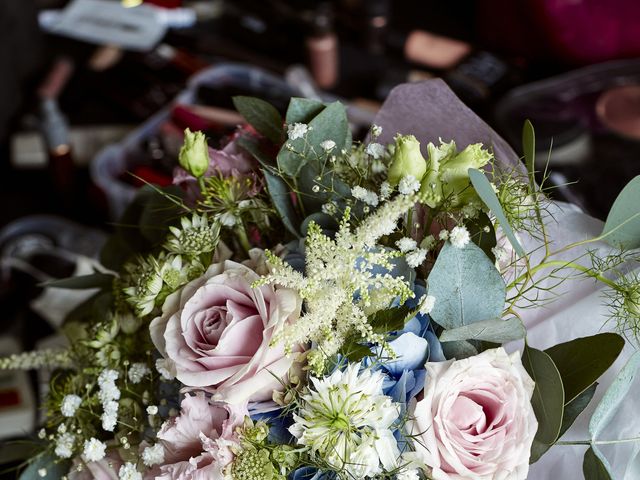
[548,395]
[391,319]
[595,466]
[82,282]
[262,116]
[622,228]
[614,396]
[488,196]
[467,287]
[280,195]
[579,364]
[529,150]
[494,330]
[354,351]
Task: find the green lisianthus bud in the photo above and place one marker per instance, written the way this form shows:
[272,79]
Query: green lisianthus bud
[431,186]
[407,160]
[194,154]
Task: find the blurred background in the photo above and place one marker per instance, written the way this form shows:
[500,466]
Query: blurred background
[95,95]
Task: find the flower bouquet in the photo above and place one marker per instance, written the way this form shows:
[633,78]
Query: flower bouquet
[302,306]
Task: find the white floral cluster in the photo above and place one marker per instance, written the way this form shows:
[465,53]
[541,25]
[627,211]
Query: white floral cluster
[197,235]
[34,360]
[109,394]
[347,278]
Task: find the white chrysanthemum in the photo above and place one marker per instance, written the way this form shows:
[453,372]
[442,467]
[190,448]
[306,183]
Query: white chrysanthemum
[328,145]
[128,471]
[137,372]
[364,195]
[385,190]
[110,416]
[64,445]
[427,303]
[406,244]
[153,455]
[408,185]
[345,420]
[297,130]
[69,405]
[375,150]
[94,450]
[459,236]
[416,258]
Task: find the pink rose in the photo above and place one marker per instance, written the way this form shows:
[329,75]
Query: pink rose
[476,421]
[197,442]
[216,332]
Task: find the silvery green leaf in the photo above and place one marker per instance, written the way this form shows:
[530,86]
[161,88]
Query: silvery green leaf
[279,193]
[52,467]
[262,116]
[467,287]
[495,330]
[614,396]
[458,349]
[622,228]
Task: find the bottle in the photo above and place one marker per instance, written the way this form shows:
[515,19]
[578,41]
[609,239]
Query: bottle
[322,48]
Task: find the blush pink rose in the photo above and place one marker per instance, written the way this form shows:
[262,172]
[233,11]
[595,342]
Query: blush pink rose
[475,421]
[197,443]
[216,333]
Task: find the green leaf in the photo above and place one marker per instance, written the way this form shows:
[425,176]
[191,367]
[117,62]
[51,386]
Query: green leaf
[548,395]
[324,221]
[55,468]
[614,396]
[302,110]
[529,149]
[81,282]
[158,213]
[467,287]
[571,412]
[485,192]
[252,146]
[483,234]
[459,349]
[262,116]
[280,195]
[595,466]
[583,360]
[622,228]
[494,330]
[94,307]
[354,351]
[391,319]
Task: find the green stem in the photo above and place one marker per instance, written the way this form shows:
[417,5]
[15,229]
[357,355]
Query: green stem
[599,442]
[562,264]
[243,238]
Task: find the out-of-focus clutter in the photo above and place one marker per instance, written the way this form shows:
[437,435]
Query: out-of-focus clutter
[110,86]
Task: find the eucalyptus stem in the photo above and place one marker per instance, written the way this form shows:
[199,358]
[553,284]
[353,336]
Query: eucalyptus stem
[562,264]
[598,442]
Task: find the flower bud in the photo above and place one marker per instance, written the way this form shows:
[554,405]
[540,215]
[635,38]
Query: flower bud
[407,160]
[194,154]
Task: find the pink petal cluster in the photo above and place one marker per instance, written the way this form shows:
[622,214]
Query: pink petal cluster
[197,442]
[216,333]
[475,421]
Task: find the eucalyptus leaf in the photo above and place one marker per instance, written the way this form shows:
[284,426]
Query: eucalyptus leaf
[494,330]
[632,472]
[466,285]
[622,228]
[302,110]
[82,282]
[459,349]
[548,395]
[583,360]
[614,396]
[485,192]
[252,146]
[53,467]
[595,466]
[262,116]
[281,197]
[529,150]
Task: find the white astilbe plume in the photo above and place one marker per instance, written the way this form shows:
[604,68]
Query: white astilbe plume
[341,287]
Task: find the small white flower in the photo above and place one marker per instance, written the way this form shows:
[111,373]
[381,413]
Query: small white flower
[94,450]
[364,195]
[406,244]
[138,371]
[459,236]
[64,445]
[228,219]
[328,145]
[315,188]
[408,185]
[411,474]
[328,208]
[376,130]
[69,405]
[42,434]
[375,150]
[297,130]
[385,190]
[153,455]
[110,416]
[152,410]
[128,472]
[428,242]
[163,369]
[415,258]
[42,472]
[427,303]
[443,235]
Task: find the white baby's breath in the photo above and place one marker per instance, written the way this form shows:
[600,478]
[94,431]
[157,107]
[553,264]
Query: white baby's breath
[69,405]
[128,471]
[459,236]
[385,190]
[137,372]
[375,150]
[408,185]
[297,130]
[153,455]
[328,145]
[406,244]
[364,195]
[416,257]
[94,450]
[64,445]
[427,302]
